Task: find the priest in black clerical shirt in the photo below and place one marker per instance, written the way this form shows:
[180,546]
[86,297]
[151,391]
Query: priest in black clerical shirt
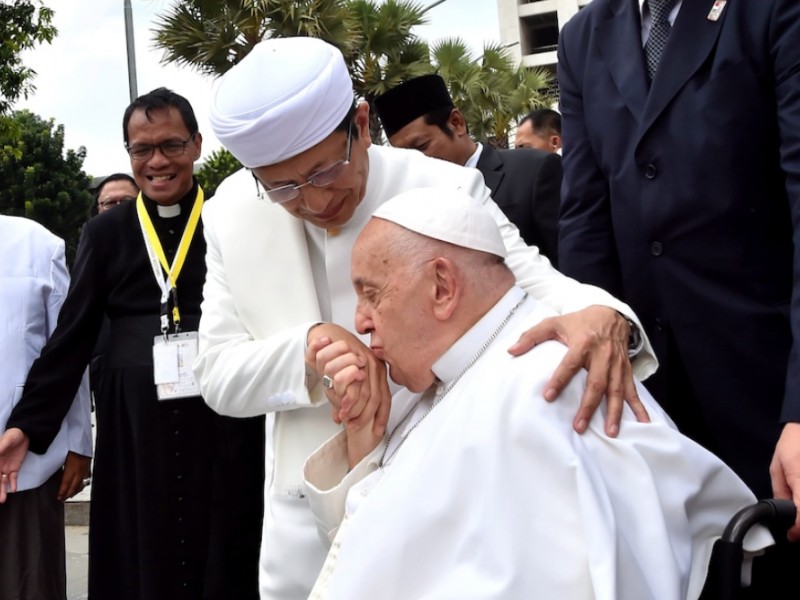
[176,502]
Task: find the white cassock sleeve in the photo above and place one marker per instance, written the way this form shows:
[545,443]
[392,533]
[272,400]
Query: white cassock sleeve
[328,481]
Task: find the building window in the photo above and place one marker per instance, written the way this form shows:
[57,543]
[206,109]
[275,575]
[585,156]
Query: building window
[539,33]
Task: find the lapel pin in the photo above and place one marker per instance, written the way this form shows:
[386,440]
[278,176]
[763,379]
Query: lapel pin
[716,10]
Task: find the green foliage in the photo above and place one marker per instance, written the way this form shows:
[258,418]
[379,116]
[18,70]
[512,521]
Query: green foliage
[22,26]
[213,35]
[41,181]
[490,91]
[376,39]
[216,167]
[379,46]
[387,51]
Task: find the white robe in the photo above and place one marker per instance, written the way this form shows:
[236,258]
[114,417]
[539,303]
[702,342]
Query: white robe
[270,277]
[33,284]
[493,495]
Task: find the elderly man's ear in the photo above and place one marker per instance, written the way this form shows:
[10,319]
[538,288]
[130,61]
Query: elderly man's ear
[446,288]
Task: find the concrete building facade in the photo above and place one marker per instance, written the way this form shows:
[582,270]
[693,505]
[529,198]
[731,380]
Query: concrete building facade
[529,28]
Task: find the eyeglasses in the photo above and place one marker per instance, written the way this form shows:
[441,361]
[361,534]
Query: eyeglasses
[170,148]
[108,203]
[322,178]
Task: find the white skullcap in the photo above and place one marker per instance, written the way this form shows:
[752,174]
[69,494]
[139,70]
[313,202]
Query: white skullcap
[285,96]
[446,214]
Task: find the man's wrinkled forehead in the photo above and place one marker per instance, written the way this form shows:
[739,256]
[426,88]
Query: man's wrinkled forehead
[370,249]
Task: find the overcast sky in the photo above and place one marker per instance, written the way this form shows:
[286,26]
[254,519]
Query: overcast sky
[82,77]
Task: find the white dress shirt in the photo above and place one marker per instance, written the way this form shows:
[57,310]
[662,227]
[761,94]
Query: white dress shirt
[472,161]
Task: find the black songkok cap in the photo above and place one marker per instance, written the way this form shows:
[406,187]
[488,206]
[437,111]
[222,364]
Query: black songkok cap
[411,100]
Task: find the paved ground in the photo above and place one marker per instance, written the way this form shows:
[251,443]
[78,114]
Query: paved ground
[77,562]
[76,516]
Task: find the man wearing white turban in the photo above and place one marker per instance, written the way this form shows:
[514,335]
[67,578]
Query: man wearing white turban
[279,237]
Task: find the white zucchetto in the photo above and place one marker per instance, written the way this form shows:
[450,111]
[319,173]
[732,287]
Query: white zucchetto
[446,214]
[284,97]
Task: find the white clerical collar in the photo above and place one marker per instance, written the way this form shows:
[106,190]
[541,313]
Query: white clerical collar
[456,358]
[472,161]
[168,212]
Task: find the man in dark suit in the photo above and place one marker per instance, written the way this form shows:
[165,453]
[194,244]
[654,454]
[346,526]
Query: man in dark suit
[681,186]
[541,128]
[420,114]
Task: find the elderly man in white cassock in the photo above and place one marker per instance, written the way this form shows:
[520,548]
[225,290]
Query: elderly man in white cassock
[279,235]
[476,491]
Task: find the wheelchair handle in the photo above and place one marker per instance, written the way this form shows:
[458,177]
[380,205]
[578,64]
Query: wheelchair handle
[767,511]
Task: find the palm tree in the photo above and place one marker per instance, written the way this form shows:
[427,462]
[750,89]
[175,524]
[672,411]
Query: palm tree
[378,43]
[213,35]
[492,92]
[387,51]
[376,39]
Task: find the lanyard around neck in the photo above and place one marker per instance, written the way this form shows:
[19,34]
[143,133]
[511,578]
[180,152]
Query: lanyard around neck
[167,279]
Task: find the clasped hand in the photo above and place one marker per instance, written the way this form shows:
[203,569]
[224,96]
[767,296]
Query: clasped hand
[13,447]
[360,397]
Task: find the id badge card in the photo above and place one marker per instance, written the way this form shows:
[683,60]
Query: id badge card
[172,365]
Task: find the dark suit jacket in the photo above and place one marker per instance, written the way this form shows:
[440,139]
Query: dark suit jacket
[680,199]
[526,185]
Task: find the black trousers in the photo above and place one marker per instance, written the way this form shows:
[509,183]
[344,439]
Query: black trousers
[32,547]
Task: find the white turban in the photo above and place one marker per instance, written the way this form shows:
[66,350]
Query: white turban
[284,97]
[447,214]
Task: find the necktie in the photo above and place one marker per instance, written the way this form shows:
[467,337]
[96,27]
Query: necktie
[659,32]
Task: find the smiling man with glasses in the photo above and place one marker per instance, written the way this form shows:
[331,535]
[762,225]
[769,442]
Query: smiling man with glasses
[278,277]
[175,503]
[163,144]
